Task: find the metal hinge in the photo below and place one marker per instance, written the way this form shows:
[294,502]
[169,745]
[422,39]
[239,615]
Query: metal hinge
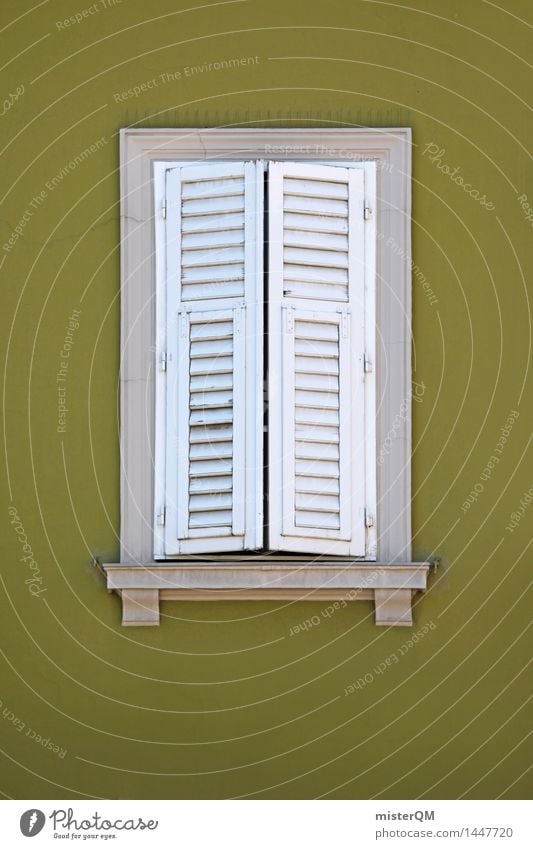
[183,318]
[289,318]
[368,364]
[162,517]
[370,520]
[367,211]
[163,357]
[164,209]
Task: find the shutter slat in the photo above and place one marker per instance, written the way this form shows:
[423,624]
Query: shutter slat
[217,416]
[212,330]
[211,382]
[316,365]
[309,450]
[312,415]
[210,451]
[210,501]
[211,434]
[314,381]
[316,348]
[213,274]
[320,400]
[204,468]
[309,331]
[211,519]
[211,399]
[315,274]
[318,502]
[317,467]
[317,519]
[316,433]
[212,245]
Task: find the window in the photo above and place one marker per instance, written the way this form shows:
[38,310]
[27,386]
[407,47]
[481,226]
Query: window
[333,346]
[289,351]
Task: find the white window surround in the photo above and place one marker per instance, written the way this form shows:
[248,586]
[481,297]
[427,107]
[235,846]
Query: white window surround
[393,579]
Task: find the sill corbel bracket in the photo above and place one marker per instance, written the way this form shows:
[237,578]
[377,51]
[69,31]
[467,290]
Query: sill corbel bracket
[391,585]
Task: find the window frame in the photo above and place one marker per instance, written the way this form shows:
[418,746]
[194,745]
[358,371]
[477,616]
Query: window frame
[393,579]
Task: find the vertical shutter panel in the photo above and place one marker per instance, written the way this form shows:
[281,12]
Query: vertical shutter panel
[318,472]
[214,324]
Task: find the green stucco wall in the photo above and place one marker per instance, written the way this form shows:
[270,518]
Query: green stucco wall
[222,700]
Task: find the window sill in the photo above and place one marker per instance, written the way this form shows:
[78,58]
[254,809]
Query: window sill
[390,585]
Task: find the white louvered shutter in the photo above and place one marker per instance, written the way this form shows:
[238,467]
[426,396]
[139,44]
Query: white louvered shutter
[214,285]
[321,429]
